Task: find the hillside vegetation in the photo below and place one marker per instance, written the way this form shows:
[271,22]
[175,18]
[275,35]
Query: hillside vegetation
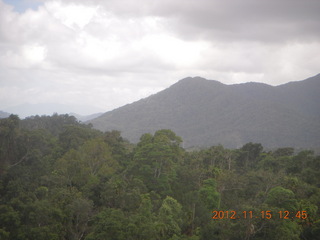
[60,179]
[206,112]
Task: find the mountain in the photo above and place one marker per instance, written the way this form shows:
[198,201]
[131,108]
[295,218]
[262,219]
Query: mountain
[28,109]
[207,112]
[84,118]
[4,114]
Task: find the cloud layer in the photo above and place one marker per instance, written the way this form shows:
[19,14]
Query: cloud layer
[109,53]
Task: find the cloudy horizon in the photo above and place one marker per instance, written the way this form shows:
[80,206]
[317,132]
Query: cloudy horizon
[104,54]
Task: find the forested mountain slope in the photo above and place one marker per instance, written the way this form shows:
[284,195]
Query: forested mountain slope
[206,112]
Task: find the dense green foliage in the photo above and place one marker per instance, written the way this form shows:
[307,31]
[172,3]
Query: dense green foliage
[64,180]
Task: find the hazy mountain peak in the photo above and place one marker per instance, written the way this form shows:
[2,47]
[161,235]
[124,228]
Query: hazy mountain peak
[4,114]
[207,112]
[197,80]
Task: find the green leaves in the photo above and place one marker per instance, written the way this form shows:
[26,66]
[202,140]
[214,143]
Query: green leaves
[155,160]
[209,195]
[282,198]
[60,179]
[9,221]
[169,218]
[109,224]
[91,159]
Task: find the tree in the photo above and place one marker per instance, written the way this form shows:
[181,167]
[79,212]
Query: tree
[282,198]
[9,222]
[169,218]
[80,211]
[9,149]
[143,222]
[281,152]
[119,146]
[109,224]
[155,159]
[73,136]
[54,124]
[93,158]
[209,194]
[249,155]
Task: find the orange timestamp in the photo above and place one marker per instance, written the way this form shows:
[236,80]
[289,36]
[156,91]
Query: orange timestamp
[230,214]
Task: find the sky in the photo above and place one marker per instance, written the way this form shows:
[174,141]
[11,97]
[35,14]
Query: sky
[93,56]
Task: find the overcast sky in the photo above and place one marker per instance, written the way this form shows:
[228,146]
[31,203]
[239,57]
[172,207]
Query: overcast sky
[102,54]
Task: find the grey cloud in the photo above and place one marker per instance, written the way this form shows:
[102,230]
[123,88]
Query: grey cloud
[265,20]
[283,20]
[228,20]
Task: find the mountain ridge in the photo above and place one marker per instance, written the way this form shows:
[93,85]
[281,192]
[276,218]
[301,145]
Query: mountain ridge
[206,112]
[4,114]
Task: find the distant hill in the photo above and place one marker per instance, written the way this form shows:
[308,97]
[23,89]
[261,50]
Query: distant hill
[4,114]
[206,112]
[28,109]
[85,118]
